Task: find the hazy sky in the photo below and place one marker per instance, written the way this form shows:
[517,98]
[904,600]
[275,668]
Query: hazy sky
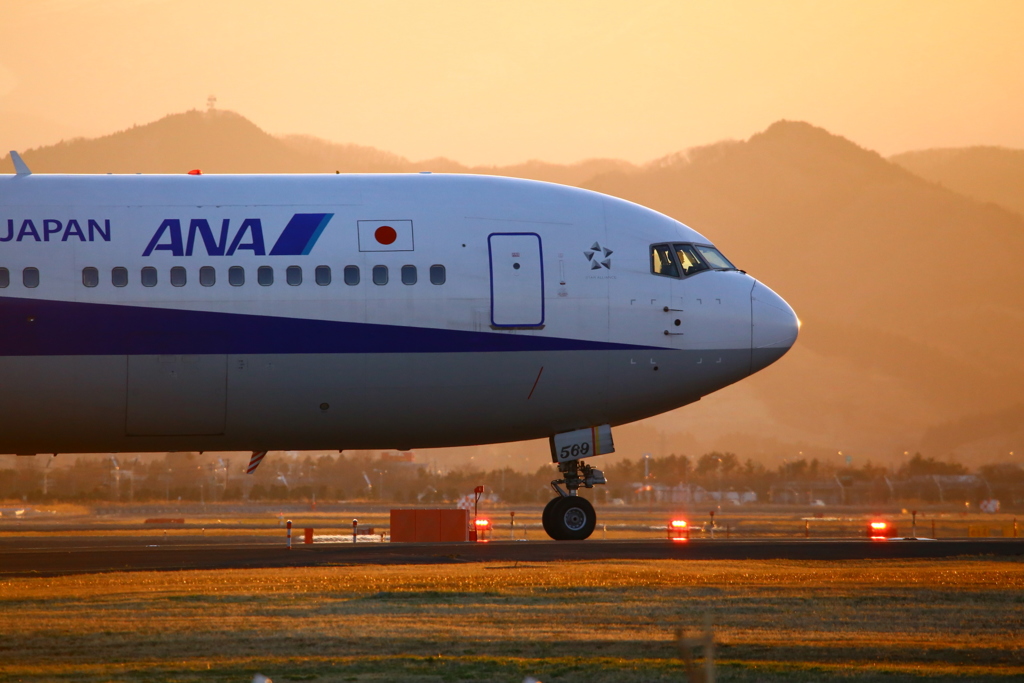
[499,82]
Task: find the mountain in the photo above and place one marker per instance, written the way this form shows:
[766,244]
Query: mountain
[220,141]
[988,174]
[216,142]
[911,301]
[909,291]
[998,433]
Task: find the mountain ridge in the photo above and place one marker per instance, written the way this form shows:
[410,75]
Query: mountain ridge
[988,174]
[909,292]
[221,141]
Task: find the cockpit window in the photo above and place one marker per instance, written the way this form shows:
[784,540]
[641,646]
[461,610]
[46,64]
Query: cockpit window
[715,259]
[689,259]
[681,260]
[662,262]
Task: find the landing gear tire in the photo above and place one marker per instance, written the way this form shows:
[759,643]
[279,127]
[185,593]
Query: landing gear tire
[571,518]
[547,520]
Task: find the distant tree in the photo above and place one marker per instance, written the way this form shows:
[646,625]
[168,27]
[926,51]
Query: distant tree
[920,466]
[671,470]
[870,472]
[1003,473]
[794,469]
[714,463]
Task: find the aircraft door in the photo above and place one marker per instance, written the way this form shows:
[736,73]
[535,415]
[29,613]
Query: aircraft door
[517,279]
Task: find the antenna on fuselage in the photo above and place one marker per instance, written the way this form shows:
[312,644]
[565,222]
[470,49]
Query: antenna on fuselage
[20,167]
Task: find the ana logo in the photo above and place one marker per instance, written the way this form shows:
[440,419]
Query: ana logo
[599,257]
[297,239]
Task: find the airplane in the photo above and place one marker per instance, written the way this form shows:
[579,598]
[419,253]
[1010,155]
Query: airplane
[191,312]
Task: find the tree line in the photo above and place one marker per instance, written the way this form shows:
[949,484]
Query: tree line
[376,476]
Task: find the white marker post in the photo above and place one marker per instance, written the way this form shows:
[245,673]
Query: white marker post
[512,525]
[355,523]
[289,525]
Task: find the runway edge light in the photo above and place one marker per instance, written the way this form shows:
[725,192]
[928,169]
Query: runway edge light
[679,530]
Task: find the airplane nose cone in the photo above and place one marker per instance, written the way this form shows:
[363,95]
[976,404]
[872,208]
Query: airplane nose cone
[774,327]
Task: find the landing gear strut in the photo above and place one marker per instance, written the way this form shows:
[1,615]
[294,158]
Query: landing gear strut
[570,517]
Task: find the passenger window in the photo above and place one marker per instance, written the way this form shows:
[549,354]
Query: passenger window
[5,278]
[177,276]
[149,276]
[119,277]
[265,276]
[380,275]
[207,276]
[293,275]
[689,259]
[437,275]
[236,276]
[714,258]
[322,275]
[90,277]
[30,277]
[408,275]
[662,262]
[351,275]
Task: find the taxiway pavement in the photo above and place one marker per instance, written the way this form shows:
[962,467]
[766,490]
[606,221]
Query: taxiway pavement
[53,555]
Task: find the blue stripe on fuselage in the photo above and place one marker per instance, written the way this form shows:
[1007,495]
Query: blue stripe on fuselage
[34,327]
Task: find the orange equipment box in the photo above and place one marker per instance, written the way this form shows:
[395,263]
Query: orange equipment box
[429,526]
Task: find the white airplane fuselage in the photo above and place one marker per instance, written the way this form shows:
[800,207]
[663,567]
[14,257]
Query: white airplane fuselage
[511,310]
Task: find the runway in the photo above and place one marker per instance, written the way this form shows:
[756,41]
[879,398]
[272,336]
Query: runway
[61,555]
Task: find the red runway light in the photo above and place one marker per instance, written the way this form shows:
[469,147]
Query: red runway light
[879,526]
[481,527]
[678,530]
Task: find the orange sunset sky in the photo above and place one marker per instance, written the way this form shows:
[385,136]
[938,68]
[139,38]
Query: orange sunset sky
[499,82]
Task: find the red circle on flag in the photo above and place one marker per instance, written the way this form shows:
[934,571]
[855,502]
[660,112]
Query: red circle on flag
[385,234]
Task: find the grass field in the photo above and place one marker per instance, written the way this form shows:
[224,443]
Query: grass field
[960,619]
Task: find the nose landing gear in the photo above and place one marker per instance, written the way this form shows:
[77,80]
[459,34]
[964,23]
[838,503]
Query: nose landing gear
[570,517]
